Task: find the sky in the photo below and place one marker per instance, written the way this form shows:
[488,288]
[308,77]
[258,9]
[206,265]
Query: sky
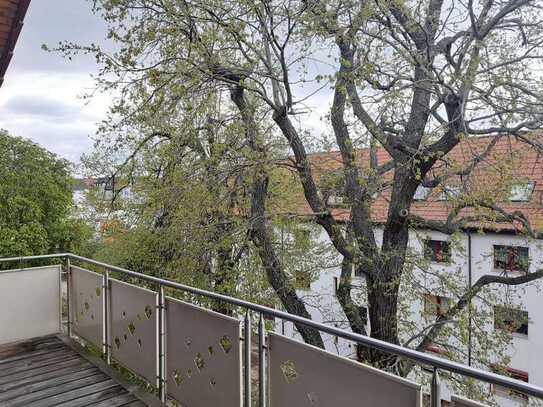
[41,96]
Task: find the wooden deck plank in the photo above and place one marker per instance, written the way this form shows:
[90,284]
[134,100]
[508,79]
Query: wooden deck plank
[105,396]
[71,395]
[18,348]
[32,360]
[49,368]
[122,400]
[145,397]
[80,384]
[42,384]
[39,351]
[77,370]
[30,367]
[55,371]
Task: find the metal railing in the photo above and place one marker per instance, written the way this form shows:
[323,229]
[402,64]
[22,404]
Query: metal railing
[437,364]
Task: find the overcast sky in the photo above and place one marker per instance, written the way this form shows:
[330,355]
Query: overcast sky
[41,95]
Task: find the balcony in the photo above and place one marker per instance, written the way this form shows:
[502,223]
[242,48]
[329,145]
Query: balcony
[67,330]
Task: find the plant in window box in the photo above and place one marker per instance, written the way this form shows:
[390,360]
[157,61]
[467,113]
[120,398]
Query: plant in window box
[511,258]
[437,251]
[511,320]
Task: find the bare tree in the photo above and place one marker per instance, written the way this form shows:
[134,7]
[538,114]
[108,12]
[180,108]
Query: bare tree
[412,77]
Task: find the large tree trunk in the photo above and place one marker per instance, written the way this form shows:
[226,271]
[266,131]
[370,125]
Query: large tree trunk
[384,282]
[260,231]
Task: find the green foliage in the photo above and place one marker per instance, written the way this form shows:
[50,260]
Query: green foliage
[35,200]
[175,67]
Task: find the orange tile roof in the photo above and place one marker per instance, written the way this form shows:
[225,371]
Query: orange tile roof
[12,13]
[510,162]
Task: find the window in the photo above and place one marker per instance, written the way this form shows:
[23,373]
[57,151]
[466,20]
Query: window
[358,271]
[511,258]
[422,193]
[435,305]
[302,279]
[521,192]
[449,193]
[514,374]
[437,250]
[335,200]
[512,320]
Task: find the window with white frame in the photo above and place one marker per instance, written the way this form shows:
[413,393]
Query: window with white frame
[511,258]
[302,278]
[514,374]
[438,251]
[511,320]
[436,305]
[422,193]
[450,193]
[522,192]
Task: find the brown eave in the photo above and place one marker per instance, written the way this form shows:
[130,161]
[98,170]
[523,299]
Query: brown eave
[12,13]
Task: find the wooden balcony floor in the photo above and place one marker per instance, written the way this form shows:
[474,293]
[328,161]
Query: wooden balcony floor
[48,372]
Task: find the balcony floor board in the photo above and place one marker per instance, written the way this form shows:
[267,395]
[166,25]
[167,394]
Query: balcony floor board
[53,371]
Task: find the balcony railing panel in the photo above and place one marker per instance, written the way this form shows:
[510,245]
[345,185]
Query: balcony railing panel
[161,338]
[133,337]
[86,304]
[303,375]
[30,303]
[203,356]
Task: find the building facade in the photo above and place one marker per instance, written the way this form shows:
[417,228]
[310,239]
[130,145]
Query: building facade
[506,317]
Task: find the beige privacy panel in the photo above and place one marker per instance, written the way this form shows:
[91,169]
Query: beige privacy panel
[203,356]
[133,335]
[302,375]
[86,305]
[461,402]
[29,303]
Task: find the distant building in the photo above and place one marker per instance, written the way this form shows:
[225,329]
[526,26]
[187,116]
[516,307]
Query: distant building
[482,247]
[94,200]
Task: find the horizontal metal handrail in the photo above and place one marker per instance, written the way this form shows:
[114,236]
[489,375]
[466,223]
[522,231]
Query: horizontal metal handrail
[420,357]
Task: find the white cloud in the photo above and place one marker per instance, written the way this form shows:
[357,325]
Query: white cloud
[48,109]
[41,96]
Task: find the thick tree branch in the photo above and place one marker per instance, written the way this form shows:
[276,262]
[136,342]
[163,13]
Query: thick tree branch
[260,230]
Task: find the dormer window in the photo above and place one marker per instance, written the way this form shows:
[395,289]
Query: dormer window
[450,193]
[332,186]
[522,192]
[335,200]
[422,193]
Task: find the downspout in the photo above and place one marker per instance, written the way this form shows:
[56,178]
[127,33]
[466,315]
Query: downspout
[470,282]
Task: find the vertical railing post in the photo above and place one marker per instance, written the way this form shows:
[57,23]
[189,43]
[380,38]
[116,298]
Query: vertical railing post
[261,362]
[106,345]
[161,342]
[68,299]
[435,393]
[247,366]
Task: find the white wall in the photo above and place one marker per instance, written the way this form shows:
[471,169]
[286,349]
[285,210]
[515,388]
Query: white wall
[526,352]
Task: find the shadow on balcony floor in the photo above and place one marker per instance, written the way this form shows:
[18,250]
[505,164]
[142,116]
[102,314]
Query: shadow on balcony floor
[51,371]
